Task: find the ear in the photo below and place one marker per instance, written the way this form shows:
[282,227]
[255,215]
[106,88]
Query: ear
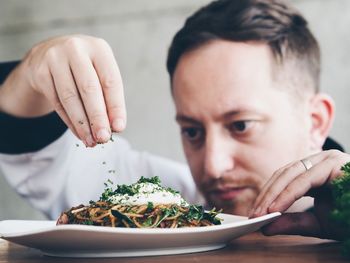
[322,115]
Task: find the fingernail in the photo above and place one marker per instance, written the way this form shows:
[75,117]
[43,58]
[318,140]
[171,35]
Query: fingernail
[118,124]
[103,135]
[89,141]
[251,212]
[257,211]
[272,205]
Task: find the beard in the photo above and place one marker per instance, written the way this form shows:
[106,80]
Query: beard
[231,194]
[237,206]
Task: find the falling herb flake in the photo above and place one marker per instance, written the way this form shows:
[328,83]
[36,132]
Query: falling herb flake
[110,181]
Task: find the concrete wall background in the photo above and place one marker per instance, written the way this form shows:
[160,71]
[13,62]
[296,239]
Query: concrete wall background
[139,33]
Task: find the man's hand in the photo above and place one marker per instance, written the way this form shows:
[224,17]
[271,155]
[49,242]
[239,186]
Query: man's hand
[78,77]
[293,181]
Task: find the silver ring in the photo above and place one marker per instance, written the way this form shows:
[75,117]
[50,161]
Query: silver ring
[307,163]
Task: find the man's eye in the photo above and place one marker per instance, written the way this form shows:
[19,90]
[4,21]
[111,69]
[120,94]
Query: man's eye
[241,126]
[192,134]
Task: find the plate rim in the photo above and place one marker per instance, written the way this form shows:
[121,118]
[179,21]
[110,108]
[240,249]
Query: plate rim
[139,231]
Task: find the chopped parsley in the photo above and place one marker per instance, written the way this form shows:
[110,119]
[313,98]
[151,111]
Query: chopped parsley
[124,189]
[150,206]
[152,180]
[148,222]
[170,190]
[133,189]
[195,212]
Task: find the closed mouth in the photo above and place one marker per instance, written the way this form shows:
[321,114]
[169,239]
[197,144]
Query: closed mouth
[228,193]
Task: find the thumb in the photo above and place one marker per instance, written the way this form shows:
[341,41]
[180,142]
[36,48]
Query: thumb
[303,223]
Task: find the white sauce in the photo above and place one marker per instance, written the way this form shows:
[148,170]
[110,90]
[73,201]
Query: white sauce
[149,192]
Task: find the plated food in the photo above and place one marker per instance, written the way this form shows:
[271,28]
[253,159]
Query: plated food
[144,204]
[91,241]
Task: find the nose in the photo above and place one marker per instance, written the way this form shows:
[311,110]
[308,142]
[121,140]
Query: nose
[219,156]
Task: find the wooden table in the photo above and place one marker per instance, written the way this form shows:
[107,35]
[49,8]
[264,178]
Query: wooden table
[251,248]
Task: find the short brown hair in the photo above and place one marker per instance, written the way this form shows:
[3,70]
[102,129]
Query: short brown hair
[273,22]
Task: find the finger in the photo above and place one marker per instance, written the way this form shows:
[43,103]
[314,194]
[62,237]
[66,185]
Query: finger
[317,176]
[267,185]
[91,93]
[47,88]
[272,181]
[70,100]
[304,223]
[278,186]
[280,182]
[112,86]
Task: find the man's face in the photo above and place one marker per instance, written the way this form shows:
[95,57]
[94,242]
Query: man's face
[238,125]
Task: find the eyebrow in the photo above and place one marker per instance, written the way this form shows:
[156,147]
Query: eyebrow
[183,118]
[227,115]
[232,113]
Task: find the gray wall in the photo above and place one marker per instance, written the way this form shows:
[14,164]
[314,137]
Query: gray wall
[139,33]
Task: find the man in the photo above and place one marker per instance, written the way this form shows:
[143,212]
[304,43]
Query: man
[244,78]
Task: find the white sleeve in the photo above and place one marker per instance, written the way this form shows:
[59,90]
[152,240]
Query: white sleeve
[66,173]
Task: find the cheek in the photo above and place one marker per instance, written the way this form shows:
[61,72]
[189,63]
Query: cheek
[285,140]
[290,147]
[258,165]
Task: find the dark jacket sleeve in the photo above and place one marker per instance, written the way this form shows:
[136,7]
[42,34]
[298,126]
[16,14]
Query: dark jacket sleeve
[331,144]
[23,135]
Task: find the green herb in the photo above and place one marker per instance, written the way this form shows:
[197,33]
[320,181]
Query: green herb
[166,213]
[150,206]
[124,189]
[170,190]
[110,181]
[106,193]
[174,210]
[152,180]
[211,216]
[148,222]
[88,222]
[341,213]
[195,212]
[121,216]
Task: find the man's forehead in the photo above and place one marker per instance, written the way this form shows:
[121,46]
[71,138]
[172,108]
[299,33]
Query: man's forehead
[229,53]
[223,79]
[221,64]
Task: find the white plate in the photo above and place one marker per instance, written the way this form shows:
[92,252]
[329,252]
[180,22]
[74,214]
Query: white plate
[95,241]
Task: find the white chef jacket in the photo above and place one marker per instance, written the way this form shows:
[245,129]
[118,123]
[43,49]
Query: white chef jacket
[66,173]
